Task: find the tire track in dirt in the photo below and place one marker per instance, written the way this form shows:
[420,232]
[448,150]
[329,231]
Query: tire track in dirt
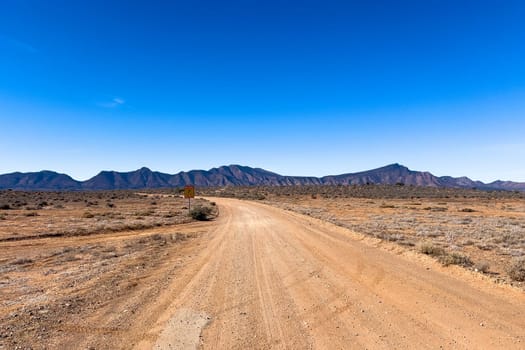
[273,279]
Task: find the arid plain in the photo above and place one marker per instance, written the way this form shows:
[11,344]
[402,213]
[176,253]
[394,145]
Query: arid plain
[276,267]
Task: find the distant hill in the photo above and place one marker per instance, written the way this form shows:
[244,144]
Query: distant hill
[237,175]
[42,180]
[112,180]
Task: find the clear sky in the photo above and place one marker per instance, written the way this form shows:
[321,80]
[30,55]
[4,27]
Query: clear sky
[296,87]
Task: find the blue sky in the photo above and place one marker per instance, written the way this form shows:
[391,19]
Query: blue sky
[296,87]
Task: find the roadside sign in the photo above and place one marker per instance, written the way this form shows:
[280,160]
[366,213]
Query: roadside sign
[189,191]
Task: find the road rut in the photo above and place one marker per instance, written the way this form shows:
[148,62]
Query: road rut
[271,279]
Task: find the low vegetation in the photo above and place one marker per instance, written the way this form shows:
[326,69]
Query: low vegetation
[455,258]
[46,284]
[446,258]
[431,249]
[517,270]
[50,214]
[201,213]
[380,192]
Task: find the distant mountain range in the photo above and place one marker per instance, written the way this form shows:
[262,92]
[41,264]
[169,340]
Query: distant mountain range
[237,175]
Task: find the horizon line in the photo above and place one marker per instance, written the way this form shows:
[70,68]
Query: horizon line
[251,167]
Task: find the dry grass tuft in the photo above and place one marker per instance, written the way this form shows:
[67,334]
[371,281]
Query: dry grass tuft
[517,270]
[431,249]
[445,257]
[455,258]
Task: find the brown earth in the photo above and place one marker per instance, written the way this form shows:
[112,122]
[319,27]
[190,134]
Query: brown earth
[484,231]
[273,279]
[257,277]
[57,214]
[489,233]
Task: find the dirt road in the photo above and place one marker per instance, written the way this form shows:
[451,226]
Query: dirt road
[274,279]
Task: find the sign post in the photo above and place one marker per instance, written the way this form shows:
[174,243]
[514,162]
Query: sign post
[189,192]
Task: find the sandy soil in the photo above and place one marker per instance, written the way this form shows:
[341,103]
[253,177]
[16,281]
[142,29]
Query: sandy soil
[490,232]
[257,277]
[275,279]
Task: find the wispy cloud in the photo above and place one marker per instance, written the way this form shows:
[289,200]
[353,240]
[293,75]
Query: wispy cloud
[115,102]
[17,44]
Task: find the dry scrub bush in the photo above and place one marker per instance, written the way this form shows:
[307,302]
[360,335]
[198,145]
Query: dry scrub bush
[431,249]
[482,267]
[201,213]
[455,259]
[517,270]
[443,256]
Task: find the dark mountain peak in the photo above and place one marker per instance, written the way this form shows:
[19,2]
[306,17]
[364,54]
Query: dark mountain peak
[235,167]
[393,166]
[140,178]
[231,167]
[49,172]
[242,169]
[499,182]
[102,172]
[505,185]
[144,170]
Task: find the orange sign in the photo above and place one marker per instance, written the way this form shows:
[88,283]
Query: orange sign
[189,191]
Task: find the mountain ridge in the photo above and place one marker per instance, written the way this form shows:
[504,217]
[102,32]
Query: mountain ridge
[239,175]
